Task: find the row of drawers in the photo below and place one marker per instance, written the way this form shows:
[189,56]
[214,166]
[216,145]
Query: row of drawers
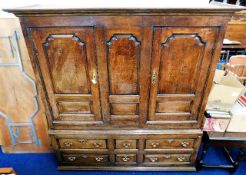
[140,148]
[65,143]
[126,158]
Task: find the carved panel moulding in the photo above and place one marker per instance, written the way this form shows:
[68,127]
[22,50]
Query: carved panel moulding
[51,37]
[198,38]
[127,48]
[14,127]
[129,36]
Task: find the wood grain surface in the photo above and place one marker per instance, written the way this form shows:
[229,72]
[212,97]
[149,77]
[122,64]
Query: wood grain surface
[236,28]
[17,95]
[125,89]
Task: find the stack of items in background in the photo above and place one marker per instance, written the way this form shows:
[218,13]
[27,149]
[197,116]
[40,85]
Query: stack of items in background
[238,111]
[226,105]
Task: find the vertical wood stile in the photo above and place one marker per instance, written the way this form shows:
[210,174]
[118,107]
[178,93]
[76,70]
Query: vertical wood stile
[110,145]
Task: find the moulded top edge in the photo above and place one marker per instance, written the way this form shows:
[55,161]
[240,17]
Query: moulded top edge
[126,7]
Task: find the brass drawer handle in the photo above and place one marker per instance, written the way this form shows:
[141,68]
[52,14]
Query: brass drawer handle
[99,159]
[125,159]
[154,159]
[94,76]
[181,159]
[68,144]
[97,145]
[154,77]
[82,140]
[126,145]
[154,145]
[71,158]
[185,144]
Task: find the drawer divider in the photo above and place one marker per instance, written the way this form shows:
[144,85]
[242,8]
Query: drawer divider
[110,145]
[141,143]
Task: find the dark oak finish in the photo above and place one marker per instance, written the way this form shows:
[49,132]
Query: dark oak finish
[123,74]
[82,144]
[84,159]
[126,158]
[177,83]
[68,66]
[125,144]
[178,146]
[171,158]
[236,30]
[125,89]
[169,143]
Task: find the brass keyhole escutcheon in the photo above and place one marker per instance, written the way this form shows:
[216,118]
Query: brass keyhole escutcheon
[82,140]
[84,156]
[126,145]
[94,76]
[167,156]
[68,144]
[154,77]
[125,158]
[154,159]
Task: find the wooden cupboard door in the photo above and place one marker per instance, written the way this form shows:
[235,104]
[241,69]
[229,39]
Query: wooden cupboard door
[181,58]
[123,65]
[68,66]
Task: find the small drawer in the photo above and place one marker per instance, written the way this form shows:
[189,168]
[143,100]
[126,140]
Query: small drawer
[85,158]
[169,143]
[125,144]
[126,158]
[167,158]
[82,144]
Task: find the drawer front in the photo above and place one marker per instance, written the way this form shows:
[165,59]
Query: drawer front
[85,158]
[124,158]
[167,158]
[126,148]
[82,144]
[169,143]
[125,144]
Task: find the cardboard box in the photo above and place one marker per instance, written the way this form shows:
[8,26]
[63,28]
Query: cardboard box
[225,92]
[238,120]
[237,124]
[219,74]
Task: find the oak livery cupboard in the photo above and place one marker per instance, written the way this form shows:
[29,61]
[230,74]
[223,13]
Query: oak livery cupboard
[124,88]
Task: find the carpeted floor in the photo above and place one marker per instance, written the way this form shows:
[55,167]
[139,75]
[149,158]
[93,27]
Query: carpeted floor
[45,164]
